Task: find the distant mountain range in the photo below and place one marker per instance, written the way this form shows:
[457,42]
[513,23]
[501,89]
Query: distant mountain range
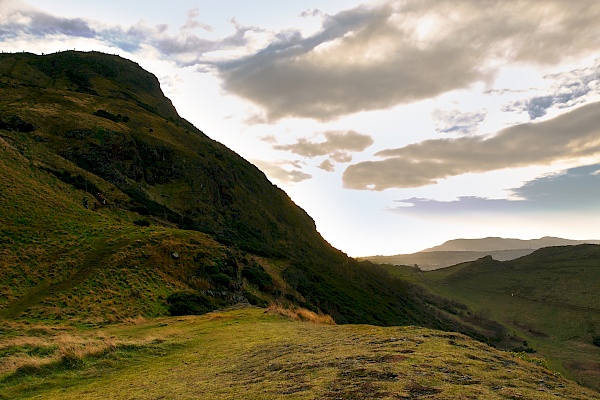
[497,243]
[457,251]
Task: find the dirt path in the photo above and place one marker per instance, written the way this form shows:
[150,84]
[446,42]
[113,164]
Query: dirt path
[98,254]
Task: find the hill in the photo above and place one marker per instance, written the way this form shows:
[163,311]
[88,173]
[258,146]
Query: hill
[112,206]
[430,260]
[458,251]
[118,217]
[250,353]
[498,244]
[550,298]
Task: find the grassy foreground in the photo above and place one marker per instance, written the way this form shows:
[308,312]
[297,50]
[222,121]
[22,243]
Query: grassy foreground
[257,354]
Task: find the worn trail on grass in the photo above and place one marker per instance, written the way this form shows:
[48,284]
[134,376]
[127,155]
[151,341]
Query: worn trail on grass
[100,251]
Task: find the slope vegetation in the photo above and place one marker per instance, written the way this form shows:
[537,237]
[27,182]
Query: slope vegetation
[113,206]
[115,213]
[550,298]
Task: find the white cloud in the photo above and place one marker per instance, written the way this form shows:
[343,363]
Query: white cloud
[338,146]
[275,170]
[570,136]
[570,89]
[457,121]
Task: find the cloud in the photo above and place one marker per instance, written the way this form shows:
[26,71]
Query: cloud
[327,165]
[311,13]
[18,20]
[376,57]
[572,135]
[366,58]
[457,121]
[570,89]
[338,145]
[575,188]
[276,171]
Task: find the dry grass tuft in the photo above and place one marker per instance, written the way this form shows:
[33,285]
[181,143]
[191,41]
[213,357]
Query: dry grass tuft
[301,314]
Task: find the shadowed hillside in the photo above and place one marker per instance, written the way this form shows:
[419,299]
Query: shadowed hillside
[114,206]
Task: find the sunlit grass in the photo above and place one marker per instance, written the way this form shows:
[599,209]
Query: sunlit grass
[253,353]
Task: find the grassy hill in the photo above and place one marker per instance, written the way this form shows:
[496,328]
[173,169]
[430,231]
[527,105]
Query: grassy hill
[458,251]
[550,298]
[258,354]
[112,206]
[117,218]
[431,260]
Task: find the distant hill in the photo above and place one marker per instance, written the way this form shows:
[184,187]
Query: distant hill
[427,261]
[459,251]
[550,297]
[497,243]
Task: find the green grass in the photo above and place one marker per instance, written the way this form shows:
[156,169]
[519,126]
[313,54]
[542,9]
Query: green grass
[549,298]
[249,353]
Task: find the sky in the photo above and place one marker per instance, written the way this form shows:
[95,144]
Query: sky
[396,125]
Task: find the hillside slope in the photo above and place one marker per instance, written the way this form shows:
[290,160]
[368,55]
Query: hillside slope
[549,297]
[113,206]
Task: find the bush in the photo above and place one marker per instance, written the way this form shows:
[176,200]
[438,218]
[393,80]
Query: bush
[256,275]
[186,303]
[220,279]
[255,300]
[15,123]
[596,341]
[111,116]
[141,222]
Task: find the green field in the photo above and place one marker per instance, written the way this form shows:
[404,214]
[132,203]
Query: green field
[550,298]
[257,354]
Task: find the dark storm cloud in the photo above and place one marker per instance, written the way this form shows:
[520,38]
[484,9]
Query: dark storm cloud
[571,135]
[575,188]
